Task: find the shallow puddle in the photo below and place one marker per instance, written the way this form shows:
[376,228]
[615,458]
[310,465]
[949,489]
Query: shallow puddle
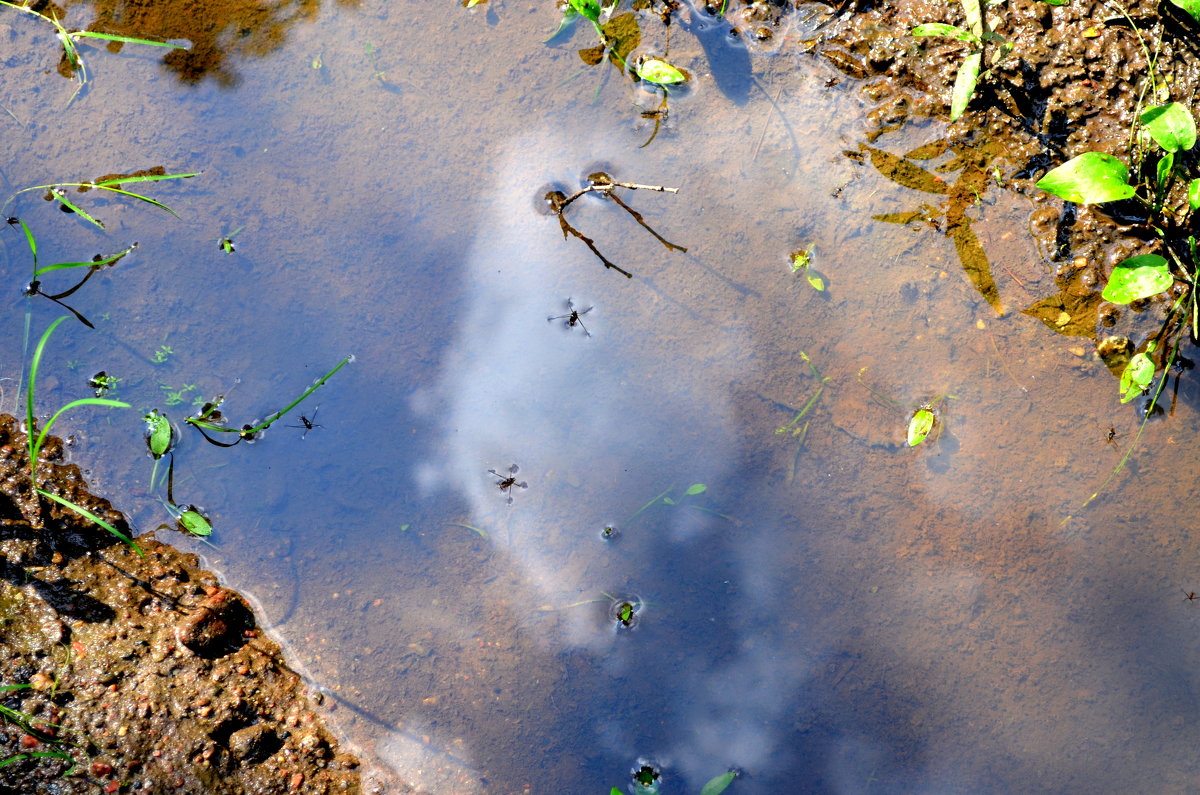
[827,610]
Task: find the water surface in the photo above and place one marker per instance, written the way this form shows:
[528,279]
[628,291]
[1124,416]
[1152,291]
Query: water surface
[836,612]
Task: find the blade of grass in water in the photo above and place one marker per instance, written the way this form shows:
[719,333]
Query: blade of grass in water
[267,423]
[107,185]
[85,513]
[89,34]
[90,263]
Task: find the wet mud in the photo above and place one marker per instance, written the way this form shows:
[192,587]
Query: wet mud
[137,673]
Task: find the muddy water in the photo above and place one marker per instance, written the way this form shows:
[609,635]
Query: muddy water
[835,612]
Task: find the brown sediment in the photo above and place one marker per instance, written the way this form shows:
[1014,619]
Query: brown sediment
[141,669]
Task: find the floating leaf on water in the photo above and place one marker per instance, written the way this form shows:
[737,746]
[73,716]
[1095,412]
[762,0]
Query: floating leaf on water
[658,71]
[1171,126]
[1136,377]
[718,784]
[1136,278]
[160,433]
[920,425]
[801,259]
[696,488]
[195,523]
[816,281]
[1091,178]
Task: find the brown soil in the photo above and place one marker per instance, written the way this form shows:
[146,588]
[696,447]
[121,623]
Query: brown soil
[141,669]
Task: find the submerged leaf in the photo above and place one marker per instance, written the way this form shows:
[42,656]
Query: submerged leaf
[1136,377]
[1136,278]
[920,425]
[696,488]
[1171,126]
[718,784]
[1091,178]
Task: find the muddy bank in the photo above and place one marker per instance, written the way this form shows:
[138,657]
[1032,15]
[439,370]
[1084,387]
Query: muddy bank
[137,673]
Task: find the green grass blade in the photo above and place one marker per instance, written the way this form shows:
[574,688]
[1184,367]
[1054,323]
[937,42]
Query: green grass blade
[146,199]
[32,244]
[143,178]
[61,197]
[34,364]
[85,513]
[88,34]
[319,383]
[58,266]
[73,404]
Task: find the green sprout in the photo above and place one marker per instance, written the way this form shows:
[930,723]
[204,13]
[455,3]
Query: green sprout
[161,355]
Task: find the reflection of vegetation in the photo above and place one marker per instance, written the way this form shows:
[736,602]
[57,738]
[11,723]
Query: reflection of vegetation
[973,164]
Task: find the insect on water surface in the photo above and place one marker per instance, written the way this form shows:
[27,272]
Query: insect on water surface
[507,483]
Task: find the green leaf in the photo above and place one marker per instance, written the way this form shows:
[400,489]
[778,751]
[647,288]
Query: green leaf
[920,425]
[695,488]
[1171,126]
[1091,178]
[1055,2]
[658,71]
[590,9]
[1190,6]
[974,14]
[89,515]
[159,437]
[1136,278]
[964,84]
[615,791]
[942,29]
[718,784]
[1136,377]
[1163,169]
[1193,194]
[192,521]
[816,281]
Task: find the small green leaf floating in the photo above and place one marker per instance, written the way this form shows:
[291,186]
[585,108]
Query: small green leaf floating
[192,521]
[1091,178]
[696,488]
[1136,278]
[659,72]
[719,784]
[922,422]
[159,437]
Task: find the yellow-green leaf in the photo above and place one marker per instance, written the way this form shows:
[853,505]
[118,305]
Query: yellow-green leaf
[658,71]
[920,425]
